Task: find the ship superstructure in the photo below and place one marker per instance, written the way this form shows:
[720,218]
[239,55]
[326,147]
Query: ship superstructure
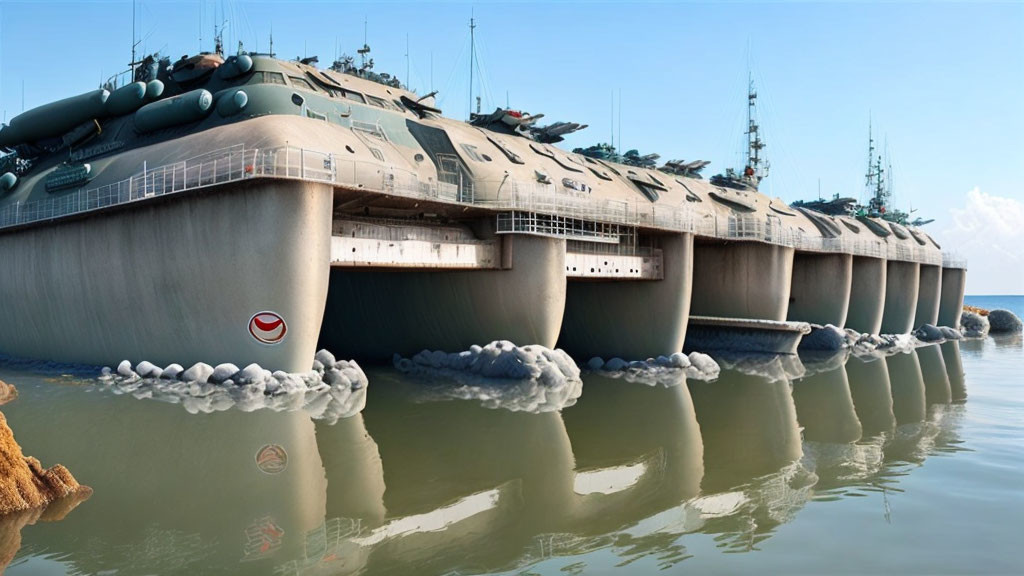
[246,208]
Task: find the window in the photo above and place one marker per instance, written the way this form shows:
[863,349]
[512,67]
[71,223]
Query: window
[370,129]
[354,96]
[267,78]
[301,83]
[378,102]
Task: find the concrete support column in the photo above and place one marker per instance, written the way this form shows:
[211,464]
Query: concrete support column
[824,407]
[929,296]
[952,301]
[903,280]
[180,280]
[821,288]
[909,403]
[872,394]
[936,379]
[867,295]
[741,280]
[373,313]
[631,319]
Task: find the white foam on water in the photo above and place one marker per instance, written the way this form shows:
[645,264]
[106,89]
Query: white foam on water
[333,390]
[502,375]
[663,370]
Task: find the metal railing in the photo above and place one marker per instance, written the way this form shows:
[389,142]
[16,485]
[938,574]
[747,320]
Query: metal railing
[528,206]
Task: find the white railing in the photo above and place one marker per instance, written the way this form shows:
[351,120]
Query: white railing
[240,162]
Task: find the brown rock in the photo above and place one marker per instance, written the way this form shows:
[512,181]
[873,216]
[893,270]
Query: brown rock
[8,392]
[24,483]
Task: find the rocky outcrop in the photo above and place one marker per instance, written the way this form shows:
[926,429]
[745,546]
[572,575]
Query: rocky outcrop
[24,483]
[973,325]
[1003,322]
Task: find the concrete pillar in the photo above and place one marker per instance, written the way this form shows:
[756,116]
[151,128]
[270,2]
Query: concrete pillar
[374,313]
[741,280]
[174,281]
[354,471]
[867,295]
[908,392]
[903,280]
[824,407]
[749,427]
[821,288]
[631,319]
[929,296]
[872,394]
[936,379]
[951,304]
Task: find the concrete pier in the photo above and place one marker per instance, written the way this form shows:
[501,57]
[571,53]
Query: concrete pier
[954,280]
[631,319]
[867,295]
[903,280]
[929,296]
[741,280]
[174,281]
[373,313]
[821,288]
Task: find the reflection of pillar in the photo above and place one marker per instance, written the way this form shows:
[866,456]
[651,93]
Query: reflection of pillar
[820,293]
[441,453]
[355,475]
[872,394]
[173,482]
[933,370]
[374,313]
[954,369]
[619,424]
[824,407]
[908,394]
[633,319]
[749,428]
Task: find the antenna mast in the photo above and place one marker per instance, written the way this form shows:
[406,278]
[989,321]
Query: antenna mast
[754,142]
[472,58]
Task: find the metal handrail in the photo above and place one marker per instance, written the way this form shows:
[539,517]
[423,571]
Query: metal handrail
[239,162]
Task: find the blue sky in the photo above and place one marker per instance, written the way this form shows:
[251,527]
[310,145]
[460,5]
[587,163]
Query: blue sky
[942,82]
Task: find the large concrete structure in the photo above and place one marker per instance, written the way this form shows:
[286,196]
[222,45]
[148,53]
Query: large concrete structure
[929,296]
[954,281]
[248,209]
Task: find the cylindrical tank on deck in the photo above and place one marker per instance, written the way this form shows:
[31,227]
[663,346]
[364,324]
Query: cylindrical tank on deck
[7,182]
[154,89]
[54,119]
[127,98]
[235,66]
[181,109]
[231,102]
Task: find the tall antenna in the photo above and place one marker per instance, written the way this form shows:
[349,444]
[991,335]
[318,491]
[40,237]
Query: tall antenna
[472,57]
[366,45]
[613,118]
[271,40]
[752,169]
[133,32]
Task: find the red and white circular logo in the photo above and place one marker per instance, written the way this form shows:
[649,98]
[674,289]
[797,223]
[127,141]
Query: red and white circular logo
[267,327]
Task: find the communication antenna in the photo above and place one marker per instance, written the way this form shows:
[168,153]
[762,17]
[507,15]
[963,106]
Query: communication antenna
[272,40]
[472,56]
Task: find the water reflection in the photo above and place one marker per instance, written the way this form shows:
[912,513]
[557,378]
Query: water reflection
[455,486]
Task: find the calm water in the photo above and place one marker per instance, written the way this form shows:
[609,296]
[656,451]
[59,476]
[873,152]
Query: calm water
[900,465]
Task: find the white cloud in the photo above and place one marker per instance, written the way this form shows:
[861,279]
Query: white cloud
[989,232]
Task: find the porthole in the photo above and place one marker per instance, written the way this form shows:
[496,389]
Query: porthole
[296,99]
[418,157]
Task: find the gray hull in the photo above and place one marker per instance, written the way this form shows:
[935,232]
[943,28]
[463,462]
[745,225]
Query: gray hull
[172,282]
